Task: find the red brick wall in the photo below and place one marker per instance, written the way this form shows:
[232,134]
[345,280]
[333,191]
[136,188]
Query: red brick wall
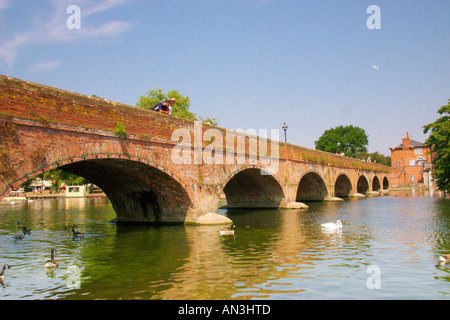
[402,174]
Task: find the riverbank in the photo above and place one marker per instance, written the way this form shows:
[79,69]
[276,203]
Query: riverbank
[48,195]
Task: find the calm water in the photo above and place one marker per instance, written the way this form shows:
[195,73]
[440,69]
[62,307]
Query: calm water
[391,245]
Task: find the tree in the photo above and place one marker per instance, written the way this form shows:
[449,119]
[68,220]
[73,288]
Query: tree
[58,176]
[180,108]
[347,139]
[438,141]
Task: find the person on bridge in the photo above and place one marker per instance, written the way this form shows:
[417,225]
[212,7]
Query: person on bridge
[165,107]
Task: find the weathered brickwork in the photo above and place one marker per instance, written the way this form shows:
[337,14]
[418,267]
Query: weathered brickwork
[43,128]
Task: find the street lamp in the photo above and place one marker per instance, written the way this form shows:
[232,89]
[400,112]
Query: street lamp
[285,127]
[339,147]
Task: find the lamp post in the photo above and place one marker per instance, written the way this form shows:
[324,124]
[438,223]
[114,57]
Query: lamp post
[339,147]
[285,127]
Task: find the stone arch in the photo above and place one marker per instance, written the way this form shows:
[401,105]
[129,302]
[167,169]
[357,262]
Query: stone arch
[342,187]
[311,188]
[250,188]
[137,191]
[141,187]
[362,185]
[376,184]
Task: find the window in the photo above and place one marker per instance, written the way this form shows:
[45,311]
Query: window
[418,150]
[412,162]
[398,164]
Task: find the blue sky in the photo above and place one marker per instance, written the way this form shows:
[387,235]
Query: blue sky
[253,64]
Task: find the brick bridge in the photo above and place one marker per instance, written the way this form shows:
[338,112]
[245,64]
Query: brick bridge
[128,152]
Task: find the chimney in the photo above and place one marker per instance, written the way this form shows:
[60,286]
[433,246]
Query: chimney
[406,142]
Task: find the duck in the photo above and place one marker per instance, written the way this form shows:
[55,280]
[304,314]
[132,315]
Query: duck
[25,230]
[77,233]
[229,232]
[18,235]
[445,258]
[332,226]
[2,273]
[52,263]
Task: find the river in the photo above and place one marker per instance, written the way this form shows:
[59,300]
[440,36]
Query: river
[389,250]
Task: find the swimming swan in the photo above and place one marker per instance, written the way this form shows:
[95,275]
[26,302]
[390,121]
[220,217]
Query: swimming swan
[332,226]
[227,232]
[445,258]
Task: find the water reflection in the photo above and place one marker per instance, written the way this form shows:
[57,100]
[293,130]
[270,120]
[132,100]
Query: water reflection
[274,254]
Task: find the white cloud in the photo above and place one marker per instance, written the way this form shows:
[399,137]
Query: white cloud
[44,66]
[109,28]
[54,28]
[10,49]
[4,4]
[104,5]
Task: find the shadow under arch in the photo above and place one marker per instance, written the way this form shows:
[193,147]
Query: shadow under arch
[342,187]
[385,183]
[362,185]
[376,184]
[311,188]
[251,189]
[139,193]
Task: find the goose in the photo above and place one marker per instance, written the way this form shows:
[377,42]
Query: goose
[445,258]
[2,273]
[77,233]
[332,226]
[52,263]
[18,235]
[227,232]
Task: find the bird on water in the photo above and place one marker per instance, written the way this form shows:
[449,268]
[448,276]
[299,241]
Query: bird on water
[2,273]
[52,263]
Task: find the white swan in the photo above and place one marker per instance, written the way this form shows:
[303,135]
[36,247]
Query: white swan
[445,258]
[332,226]
[227,232]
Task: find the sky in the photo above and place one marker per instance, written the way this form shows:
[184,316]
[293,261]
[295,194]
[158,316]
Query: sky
[252,64]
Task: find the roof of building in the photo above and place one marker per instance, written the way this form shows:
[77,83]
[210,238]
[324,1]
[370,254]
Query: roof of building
[413,144]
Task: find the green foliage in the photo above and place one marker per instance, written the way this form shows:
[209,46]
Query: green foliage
[375,157]
[179,109]
[120,129]
[438,142]
[352,140]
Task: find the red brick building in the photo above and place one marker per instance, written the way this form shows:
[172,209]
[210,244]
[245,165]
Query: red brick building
[413,161]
